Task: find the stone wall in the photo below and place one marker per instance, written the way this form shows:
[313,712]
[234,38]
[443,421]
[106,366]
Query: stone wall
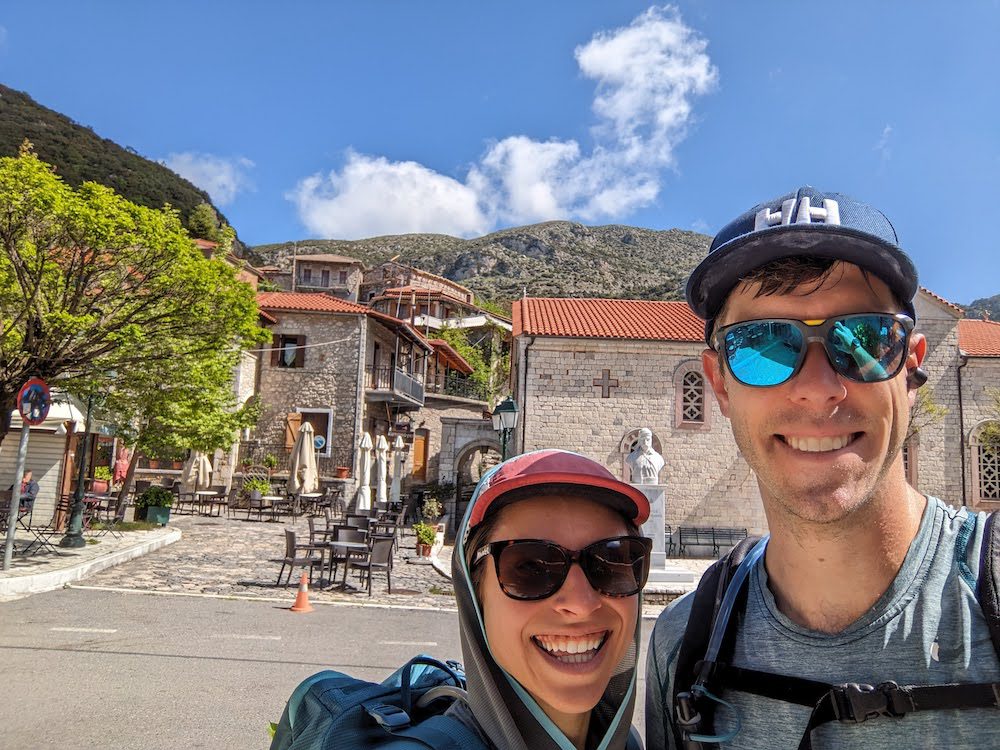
[708,482]
[980,378]
[936,449]
[328,379]
[437,411]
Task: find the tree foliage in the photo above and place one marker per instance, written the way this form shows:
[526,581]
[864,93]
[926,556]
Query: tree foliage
[91,284]
[989,433]
[203,222]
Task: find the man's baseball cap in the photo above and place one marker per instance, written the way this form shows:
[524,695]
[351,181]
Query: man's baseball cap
[807,223]
[554,470]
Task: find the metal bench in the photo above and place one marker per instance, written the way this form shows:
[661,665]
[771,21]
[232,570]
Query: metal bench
[715,537]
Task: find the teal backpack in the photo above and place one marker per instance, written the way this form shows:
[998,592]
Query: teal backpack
[403,712]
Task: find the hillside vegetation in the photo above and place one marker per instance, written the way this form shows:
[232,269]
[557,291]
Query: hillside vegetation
[79,154]
[554,259]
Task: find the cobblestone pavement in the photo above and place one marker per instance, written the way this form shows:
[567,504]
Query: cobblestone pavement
[231,557]
[237,558]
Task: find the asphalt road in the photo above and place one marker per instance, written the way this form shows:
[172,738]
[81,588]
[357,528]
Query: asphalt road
[83,668]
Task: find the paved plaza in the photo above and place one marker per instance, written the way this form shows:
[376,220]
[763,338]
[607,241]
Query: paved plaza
[229,557]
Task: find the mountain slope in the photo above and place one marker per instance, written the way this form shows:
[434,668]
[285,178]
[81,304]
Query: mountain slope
[554,259]
[79,155]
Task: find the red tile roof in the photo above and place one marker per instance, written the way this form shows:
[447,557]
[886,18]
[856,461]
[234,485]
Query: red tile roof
[942,300]
[607,319]
[308,302]
[455,360]
[979,338]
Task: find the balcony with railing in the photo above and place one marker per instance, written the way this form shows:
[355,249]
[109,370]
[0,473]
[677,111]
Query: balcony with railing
[457,385]
[394,385]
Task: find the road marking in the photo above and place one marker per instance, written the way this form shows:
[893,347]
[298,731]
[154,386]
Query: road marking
[84,630]
[407,643]
[239,637]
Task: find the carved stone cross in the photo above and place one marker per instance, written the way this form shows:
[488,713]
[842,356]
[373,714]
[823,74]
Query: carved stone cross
[606,382]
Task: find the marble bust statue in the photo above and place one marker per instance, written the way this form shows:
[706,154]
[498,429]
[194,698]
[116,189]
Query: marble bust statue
[644,462]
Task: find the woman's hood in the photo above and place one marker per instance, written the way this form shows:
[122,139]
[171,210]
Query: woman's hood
[504,710]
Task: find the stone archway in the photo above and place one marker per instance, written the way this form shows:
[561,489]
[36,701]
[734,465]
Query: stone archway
[474,459]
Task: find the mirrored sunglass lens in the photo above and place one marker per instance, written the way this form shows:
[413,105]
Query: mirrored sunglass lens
[529,570]
[763,352]
[617,567]
[880,350]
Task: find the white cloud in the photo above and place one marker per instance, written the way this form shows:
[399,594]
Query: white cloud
[647,76]
[882,147]
[3,37]
[372,195]
[221,178]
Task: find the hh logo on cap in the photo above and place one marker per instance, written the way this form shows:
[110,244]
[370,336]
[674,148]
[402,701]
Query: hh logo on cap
[804,213]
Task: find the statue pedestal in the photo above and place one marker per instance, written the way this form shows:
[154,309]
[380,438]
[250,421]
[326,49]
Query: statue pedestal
[660,571]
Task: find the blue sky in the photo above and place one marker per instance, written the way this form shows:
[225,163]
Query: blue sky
[340,119]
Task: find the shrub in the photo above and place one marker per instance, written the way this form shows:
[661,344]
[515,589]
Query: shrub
[425,532]
[258,484]
[102,473]
[155,497]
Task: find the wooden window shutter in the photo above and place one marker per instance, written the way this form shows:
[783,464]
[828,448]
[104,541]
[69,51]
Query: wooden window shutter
[292,424]
[300,353]
[275,350]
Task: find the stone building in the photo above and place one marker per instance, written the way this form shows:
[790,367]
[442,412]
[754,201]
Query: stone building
[348,369]
[588,373]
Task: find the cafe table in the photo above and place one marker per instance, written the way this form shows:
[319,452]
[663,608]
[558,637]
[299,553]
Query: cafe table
[351,548]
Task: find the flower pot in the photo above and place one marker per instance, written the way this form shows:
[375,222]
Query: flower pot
[423,550]
[158,514]
[342,472]
[99,486]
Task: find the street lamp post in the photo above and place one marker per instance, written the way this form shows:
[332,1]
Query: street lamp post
[74,532]
[504,422]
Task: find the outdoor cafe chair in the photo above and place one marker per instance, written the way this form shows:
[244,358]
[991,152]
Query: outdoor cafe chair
[256,502]
[317,536]
[215,503]
[343,534]
[115,517]
[379,557]
[357,521]
[299,555]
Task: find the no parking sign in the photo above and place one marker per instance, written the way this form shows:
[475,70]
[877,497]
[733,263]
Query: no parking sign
[33,401]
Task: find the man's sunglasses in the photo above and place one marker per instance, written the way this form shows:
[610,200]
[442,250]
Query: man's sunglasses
[865,348]
[536,569]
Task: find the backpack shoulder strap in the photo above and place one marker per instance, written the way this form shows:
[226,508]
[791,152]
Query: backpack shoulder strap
[988,585]
[704,611]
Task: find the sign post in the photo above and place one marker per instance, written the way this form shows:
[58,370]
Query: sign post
[33,402]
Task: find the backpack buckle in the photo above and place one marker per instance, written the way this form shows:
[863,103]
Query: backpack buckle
[855,703]
[388,716]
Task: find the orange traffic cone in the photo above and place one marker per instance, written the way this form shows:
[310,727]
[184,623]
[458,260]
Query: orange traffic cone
[302,599]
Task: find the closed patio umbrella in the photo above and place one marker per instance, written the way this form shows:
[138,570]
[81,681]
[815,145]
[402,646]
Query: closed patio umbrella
[397,469]
[302,473]
[197,472]
[381,470]
[364,496]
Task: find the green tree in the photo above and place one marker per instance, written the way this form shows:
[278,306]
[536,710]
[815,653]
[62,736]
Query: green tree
[203,222]
[91,283]
[989,433]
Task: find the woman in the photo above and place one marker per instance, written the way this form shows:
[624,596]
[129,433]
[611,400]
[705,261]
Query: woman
[548,566]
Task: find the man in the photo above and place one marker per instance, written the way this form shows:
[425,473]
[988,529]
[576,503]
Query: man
[808,306]
[29,491]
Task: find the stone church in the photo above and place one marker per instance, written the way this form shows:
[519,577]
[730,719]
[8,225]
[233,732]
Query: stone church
[587,374]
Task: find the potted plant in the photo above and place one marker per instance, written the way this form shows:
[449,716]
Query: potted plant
[342,472]
[153,505]
[431,511]
[425,537]
[270,462]
[254,488]
[102,480]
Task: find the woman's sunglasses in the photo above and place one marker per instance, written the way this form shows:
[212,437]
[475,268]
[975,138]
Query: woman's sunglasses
[866,348]
[536,569]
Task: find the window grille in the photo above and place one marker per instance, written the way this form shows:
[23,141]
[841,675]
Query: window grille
[693,397]
[989,473]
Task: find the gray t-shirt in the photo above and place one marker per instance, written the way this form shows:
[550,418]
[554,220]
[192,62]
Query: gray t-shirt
[926,629]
